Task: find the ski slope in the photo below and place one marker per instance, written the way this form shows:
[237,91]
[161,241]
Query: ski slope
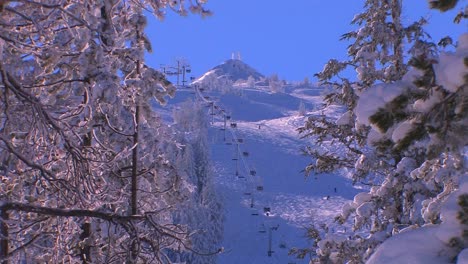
[266,125]
[256,155]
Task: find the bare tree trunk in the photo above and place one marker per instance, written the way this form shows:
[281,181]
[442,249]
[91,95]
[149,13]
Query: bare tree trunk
[398,45]
[134,190]
[86,250]
[4,214]
[85,253]
[4,237]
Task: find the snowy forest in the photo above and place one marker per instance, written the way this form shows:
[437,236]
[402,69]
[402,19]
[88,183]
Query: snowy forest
[106,159]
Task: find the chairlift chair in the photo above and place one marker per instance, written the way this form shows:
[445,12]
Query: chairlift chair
[259,188]
[253,172]
[245,153]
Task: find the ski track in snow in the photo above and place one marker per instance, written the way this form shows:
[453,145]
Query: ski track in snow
[274,152]
[295,202]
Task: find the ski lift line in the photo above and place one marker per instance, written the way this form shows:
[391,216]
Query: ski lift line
[253,186]
[256,185]
[204,99]
[241,157]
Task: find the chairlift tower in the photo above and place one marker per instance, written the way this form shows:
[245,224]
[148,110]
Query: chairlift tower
[181,69]
[270,238]
[237,156]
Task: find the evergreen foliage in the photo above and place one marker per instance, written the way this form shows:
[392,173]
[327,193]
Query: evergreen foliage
[404,135]
[88,171]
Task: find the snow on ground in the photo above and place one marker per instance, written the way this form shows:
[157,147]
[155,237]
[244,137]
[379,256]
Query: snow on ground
[267,125]
[273,219]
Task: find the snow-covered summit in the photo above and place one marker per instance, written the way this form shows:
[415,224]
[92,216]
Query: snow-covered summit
[232,70]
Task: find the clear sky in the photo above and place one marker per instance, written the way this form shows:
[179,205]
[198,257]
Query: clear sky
[291,38]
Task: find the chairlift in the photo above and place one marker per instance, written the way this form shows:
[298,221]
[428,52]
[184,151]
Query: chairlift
[228,117]
[245,153]
[259,188]
[282,244]
[253,172]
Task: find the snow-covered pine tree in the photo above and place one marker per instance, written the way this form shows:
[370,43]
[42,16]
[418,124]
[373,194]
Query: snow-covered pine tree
[275,84]
[404,134]
[76,127]
[203,212]
[301,109]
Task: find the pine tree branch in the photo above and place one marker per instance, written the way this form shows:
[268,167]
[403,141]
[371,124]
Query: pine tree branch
[59,212]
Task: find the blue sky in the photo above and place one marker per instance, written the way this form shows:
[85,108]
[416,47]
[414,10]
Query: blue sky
[293,40]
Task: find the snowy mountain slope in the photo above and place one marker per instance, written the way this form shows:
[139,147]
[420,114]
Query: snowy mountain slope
[294,201]
[264,104]
[266,124]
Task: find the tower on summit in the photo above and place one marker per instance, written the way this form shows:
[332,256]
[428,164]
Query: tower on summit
[235,56]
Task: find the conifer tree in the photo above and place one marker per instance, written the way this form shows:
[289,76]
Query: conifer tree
[404,131]
[86,174]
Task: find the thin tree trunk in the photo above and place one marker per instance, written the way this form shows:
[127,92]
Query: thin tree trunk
[4,214]
[86,226]
[4,237]
[398,45]
[134,190]
[86,250]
